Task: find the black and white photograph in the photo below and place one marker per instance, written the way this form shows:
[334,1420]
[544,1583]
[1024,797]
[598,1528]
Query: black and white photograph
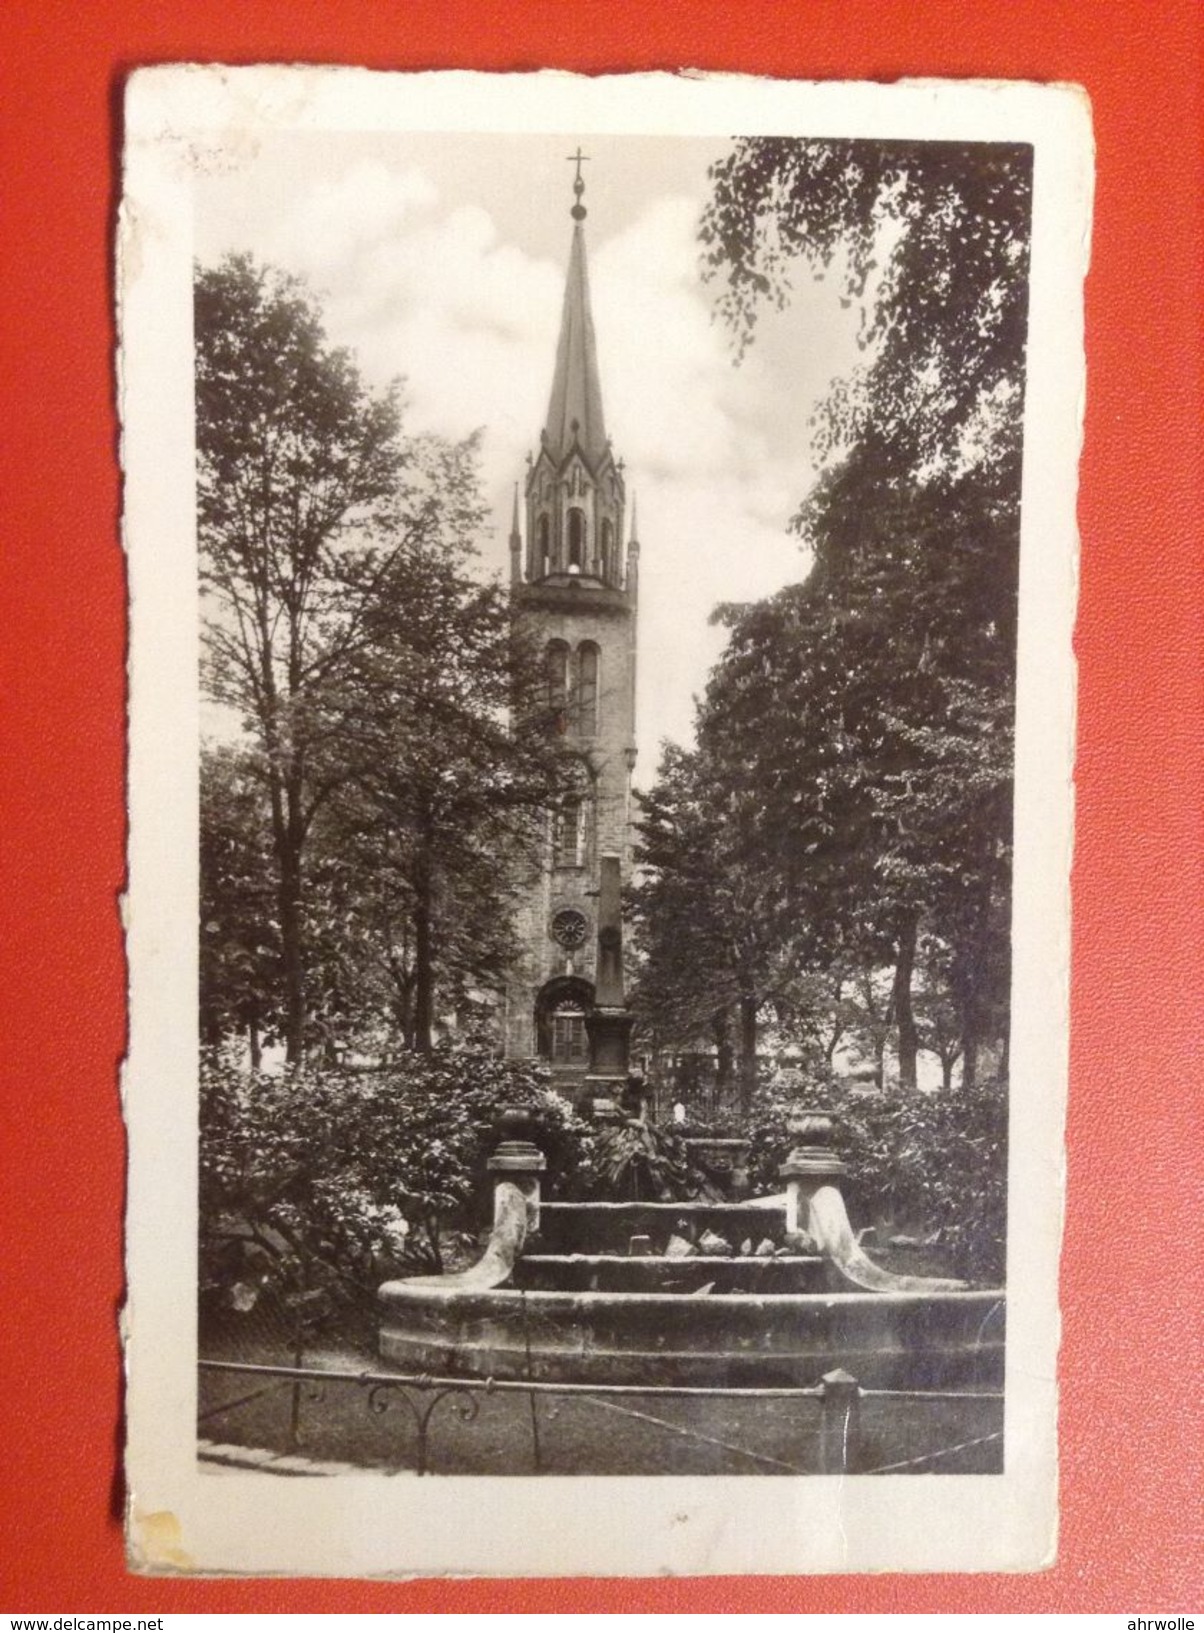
[602,566]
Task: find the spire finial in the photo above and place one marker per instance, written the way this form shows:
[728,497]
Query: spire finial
[578,212]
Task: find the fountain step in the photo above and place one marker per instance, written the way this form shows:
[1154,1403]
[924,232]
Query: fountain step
[614,1272]
[607,1227]
[756,1204]
[536,1255]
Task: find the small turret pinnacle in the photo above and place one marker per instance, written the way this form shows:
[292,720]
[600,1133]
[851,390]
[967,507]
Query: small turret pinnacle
[516,544]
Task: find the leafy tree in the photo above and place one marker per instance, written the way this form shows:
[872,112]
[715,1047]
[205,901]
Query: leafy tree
[318,524]
[938,1022]
[361,953]
[454,769]
[883,801]
[930,241]
[295,460]
[712,926]
[240,989]
[685,983]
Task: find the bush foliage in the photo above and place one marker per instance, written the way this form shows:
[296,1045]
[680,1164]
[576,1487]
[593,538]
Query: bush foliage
[933,1165]
[641,1162]
[318,1184]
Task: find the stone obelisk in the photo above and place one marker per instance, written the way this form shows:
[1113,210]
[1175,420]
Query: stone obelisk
[608,1024]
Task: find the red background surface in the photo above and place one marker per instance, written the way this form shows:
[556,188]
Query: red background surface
[1131,1433]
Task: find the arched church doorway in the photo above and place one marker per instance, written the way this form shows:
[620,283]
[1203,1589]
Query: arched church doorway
[561,1006]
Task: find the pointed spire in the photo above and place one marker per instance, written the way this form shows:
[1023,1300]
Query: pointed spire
[575,409]
[514,532]
[635,529]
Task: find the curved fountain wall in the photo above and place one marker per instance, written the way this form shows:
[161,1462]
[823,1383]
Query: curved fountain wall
[555,1297]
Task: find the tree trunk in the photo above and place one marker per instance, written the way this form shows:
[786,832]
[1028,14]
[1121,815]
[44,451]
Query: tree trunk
[289,897]
[401,1002]
[403,1015]
[972,986]
[834,1036]
[969,1058]
[285,785]
[905,1021]
[424,971]
[880,1061]
[254,1044]
[721,1032]
[288,837]
[748,1052]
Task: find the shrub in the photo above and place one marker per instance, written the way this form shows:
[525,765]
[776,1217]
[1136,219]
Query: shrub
[933,1164]
[319,1183]
[641,1162]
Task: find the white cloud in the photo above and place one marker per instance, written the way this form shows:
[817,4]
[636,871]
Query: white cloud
[700,546]
[444,296]
[320,232]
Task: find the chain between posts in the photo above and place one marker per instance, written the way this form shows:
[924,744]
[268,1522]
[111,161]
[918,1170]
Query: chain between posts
[839,1396]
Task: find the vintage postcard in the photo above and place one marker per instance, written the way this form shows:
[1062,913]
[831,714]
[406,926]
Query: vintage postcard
[602,560]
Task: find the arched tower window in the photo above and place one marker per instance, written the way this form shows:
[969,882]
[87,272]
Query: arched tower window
[570,1046]
[556,676]
[608,552]
[543,553]
[576,540]
[570,832]
[587,689]
[572,821]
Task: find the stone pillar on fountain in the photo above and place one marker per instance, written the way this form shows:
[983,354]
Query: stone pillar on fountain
[811,1165]
[608,1024]
[517,1160]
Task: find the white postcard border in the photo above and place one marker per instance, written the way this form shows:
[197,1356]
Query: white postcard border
[181,120]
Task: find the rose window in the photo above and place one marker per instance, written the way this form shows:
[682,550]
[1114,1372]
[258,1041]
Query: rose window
[569,928]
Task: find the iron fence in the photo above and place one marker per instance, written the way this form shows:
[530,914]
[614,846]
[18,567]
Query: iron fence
[837,1405]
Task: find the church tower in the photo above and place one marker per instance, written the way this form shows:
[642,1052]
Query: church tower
[574,590]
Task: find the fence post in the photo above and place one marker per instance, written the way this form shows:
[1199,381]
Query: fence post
[294,1416]
[839,1424]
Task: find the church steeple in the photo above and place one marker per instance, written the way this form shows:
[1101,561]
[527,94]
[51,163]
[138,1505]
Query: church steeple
[575,493]
[574,597]
[575,407]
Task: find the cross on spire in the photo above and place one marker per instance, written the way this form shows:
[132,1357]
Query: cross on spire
[578,211]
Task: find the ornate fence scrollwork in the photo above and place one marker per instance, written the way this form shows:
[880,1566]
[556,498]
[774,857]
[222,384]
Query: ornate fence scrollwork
[422,1395]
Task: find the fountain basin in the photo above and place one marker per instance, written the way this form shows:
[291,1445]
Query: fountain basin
[886,1340]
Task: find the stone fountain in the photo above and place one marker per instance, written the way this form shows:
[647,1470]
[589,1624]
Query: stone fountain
[637,1292]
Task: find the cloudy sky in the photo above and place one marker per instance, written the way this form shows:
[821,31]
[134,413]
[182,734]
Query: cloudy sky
[441,259]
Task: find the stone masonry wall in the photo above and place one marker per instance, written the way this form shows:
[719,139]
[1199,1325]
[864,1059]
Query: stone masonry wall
[608,619]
